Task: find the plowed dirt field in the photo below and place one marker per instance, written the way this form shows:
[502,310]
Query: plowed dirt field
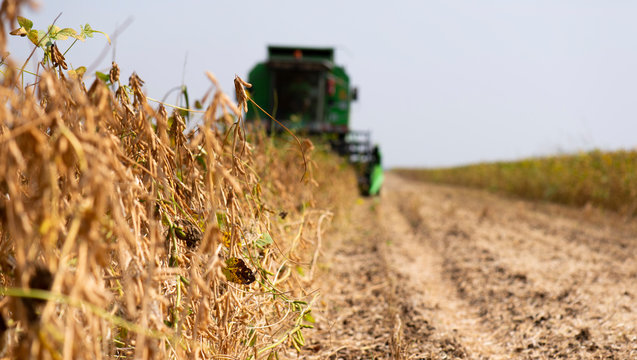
[435,272]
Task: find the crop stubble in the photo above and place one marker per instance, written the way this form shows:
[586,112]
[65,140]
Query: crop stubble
[459,273]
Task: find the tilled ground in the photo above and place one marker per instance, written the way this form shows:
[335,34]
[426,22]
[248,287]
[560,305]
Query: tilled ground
[434,272]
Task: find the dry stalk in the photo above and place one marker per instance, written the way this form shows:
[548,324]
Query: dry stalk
[113,220]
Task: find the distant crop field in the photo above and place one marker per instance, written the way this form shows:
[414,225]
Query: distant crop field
[602,179]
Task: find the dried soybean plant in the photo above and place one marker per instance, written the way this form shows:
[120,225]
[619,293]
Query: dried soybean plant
[122,235]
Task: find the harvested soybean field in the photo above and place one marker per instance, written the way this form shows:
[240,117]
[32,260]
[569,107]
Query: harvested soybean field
[438,272]
[134,228]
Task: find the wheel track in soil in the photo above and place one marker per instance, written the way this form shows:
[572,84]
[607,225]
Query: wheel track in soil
[437,272]
[414,253]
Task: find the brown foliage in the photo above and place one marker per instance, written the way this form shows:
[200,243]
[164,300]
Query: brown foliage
[112,218]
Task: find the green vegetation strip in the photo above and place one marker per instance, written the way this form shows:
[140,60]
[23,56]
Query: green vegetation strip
[603,179]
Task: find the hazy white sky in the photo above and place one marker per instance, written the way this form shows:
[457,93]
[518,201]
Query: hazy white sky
[440,82]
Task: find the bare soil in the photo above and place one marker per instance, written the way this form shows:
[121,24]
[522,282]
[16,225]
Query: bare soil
[437,272]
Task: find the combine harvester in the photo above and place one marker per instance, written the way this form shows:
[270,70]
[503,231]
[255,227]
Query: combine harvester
[304,90]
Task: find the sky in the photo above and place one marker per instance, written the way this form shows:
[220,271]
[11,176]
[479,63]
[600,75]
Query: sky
[441,82]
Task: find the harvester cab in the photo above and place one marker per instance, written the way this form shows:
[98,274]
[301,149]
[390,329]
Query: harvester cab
[306,91]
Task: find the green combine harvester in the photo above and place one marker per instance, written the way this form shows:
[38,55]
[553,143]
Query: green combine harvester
[303,89]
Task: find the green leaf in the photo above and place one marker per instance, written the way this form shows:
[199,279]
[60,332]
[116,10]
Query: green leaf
[102,76]
[64,34]
[53,31]
[85,31]
[45,41]
[221,220]
[300,270]
[34,36]
[77,72]
[78,36]
[88,31]
[309,318]
[264,240]
[25,23]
